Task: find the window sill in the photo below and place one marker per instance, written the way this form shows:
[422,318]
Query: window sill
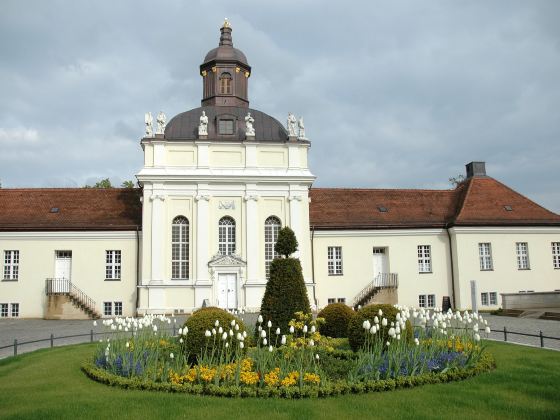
[487,269]
[336,275]
[425,272]
[8,280]
[524,269]
[112,279]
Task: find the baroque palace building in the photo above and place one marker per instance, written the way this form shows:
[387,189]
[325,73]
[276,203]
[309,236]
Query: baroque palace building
[217,184]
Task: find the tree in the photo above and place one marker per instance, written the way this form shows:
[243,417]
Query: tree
[285,291]
[127,184]
[456,180]
[286,244]
[104,183]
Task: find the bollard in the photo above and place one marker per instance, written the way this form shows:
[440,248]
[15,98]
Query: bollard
[505,334]
[542,338]
[52,341]
[15,347]
[91,336]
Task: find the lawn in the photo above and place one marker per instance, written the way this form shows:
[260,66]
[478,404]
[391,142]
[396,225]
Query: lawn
[49,384]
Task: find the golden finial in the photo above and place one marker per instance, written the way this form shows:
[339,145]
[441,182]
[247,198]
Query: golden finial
[226,23]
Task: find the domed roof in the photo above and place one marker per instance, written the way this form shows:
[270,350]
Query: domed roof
[225,50]
[184,126]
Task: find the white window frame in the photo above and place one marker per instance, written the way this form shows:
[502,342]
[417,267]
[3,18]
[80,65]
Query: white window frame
[108,305]
[226,236]
[424,258]
[422,301]
[117,308]
[484,299]
[334,260]
[14,310]
[11,265]
[485,256]
[341,300]
[331,300]
[272,226]
[113,259]
[431,301]
[180,264]
[522,252]
[4,310]
[556,255]
[493,298]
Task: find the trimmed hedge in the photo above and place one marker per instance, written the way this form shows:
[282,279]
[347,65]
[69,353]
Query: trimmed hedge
[486,363]
[285,293]
[356,335]
[337,317]
[203,320]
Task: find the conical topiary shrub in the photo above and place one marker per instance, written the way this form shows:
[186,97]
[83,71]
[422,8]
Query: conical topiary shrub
[285,291]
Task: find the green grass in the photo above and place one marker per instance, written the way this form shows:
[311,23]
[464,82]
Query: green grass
[49,384]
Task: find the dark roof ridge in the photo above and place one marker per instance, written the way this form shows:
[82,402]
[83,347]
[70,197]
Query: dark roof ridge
[382,189]
[68,189]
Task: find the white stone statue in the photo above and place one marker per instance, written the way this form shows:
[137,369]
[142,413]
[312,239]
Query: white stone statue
[292,125]
[249,129]
[301,128]
[161,120]
[148,121]
[203,127]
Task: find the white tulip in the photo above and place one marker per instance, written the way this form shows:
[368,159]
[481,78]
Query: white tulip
[216,323]
[373,330]
[269,324]
[487,330]
[305,329]
[292,329]
[236,327]
[443,325]
[398,316]
[181,340]
[232,323]
[224,336]
[227,345]
[398,329]
[155,328]
[376,320]
[180,331]
[388,344]
[220,330]
[277,331]
[185,330]
[313,329]
[213,331]
[263,333]
[241,345]
[245,334]
[270,349]
[265,342]
[127,344]
[311,343]
[436,323]
[380,313]
[398,336]
[260,319]
[476,337]
[416,341]
[317,357]
[475,327]
[283,341]
[392,332]
[171,355]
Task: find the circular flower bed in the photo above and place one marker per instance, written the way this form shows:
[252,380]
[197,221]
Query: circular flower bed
[141,354]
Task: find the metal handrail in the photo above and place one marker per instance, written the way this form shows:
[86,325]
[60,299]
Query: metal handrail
[62,286]
[381,281]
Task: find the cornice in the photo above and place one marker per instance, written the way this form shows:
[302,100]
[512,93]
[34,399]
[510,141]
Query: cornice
[73,235]
[376,233]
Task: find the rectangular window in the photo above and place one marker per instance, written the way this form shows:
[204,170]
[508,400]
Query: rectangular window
[522,251]
[118,308]
[225,127]
[11,265]
[341,300]
[431,301]
[422,301]
[556,255]
[424,259]
[331,300]
[113,265]
[15,310]
[484,299]
[493,298]
[485,254]
[334,254]
[3,310]
[107,308]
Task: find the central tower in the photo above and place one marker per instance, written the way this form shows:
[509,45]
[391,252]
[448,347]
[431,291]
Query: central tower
[225,74]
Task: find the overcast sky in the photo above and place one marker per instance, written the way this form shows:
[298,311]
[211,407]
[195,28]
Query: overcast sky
[395,94]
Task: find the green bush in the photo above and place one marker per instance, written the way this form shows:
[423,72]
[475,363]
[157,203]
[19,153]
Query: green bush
[337,317]
[203,320]
[286,244]
[356,335]
[285,293]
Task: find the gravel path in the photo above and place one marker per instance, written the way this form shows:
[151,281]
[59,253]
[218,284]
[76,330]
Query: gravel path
[39,329]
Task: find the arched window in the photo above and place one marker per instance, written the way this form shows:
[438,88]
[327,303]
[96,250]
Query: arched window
[271,228]
[180,248]
[226,236]
[225,84]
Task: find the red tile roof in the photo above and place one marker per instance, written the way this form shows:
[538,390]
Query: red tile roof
[475,202]
[78,209]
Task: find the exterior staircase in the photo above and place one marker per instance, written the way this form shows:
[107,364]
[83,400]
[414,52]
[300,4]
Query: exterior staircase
[382,282]
[63,288]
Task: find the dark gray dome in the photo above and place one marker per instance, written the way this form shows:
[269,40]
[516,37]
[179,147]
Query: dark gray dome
[184,126]
[226,53]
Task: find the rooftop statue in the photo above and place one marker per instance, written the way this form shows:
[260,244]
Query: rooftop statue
[203,127]
[301,128]
[292,125]
[161,120]
[148,121]
[249,129]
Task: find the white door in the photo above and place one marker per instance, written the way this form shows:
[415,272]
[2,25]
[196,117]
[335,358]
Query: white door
[63,271]
[379,262]
[227,291]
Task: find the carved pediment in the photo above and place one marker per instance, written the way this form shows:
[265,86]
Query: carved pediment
[232,260]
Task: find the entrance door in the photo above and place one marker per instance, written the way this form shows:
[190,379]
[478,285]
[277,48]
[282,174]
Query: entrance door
[227,291]
[62,271]
[379,263]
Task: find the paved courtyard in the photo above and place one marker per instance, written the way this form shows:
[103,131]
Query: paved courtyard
[25,330]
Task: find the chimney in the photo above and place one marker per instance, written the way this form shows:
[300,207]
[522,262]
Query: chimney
[476,169]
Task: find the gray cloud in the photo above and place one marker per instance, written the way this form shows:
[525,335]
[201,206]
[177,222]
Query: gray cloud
[394,94]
